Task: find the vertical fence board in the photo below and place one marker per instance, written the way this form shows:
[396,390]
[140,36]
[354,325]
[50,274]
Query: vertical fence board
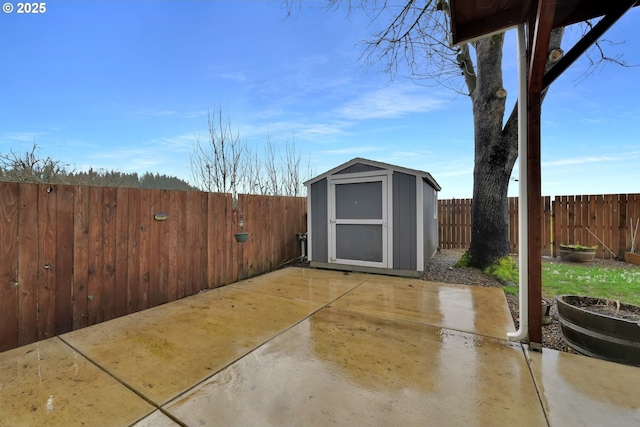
[603,219]
[64,259]
[576,210]
[271,227]
[622,226]
[173,221]
[201,242]
[571,220]
[286,207]
[586,220]
[238,249]
[9,199]
[165,230]
[190,243]
[613,225]
[215,244]
[181,256]
[547,226]
[253,255]
[96,256]
[133,250]
[225,243]
[146,216]
[289,247]
[594,215]
[279,233]
[155,248]
[46,261]
[564,237]
[245,248]
[230,227]
[213,239]
[109,210]
[28,264]
[232,262]
[219,245]
[80,257]
[633,218]
[121,291]
[265,229]
[606,219]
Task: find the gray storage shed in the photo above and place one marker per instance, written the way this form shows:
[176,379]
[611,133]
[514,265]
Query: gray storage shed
[371,216]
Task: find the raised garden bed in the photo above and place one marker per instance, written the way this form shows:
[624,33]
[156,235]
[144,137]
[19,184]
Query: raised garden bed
[632,257]
[601,328]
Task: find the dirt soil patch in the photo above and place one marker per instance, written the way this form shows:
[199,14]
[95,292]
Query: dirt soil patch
[608,308]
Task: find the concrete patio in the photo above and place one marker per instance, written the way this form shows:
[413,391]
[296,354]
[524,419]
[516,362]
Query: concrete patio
[305,347]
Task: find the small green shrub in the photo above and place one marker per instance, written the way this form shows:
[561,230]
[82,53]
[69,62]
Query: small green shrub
[511,290]
[464,260]
[503,269]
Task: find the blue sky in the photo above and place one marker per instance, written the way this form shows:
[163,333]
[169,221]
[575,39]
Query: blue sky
[126,85]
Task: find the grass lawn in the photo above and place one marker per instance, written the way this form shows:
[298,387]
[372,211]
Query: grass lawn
[588,280]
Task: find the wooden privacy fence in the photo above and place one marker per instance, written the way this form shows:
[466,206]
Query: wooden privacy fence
[73,256]
[602,220]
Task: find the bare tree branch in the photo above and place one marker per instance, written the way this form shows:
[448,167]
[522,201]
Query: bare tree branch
[30,167]
[224,163]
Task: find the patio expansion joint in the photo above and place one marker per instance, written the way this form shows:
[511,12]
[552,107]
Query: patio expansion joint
[528,361]
[159,406]
[296,299]
[243,355]
[124,383]
[418,322]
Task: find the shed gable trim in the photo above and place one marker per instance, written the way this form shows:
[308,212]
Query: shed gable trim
[380,165]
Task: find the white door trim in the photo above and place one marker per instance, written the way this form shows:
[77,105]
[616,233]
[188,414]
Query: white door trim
[385,177]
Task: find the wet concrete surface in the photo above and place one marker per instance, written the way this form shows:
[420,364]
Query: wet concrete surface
[163,351]
[308,347]
[348,368]
[156,419]
[577,390]
[304,284]
[459,307]
[49,384]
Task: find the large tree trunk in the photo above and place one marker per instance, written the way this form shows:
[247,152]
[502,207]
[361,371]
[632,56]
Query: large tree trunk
[496,150]
[495,154]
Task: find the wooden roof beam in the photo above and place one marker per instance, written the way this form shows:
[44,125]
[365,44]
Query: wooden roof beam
[539,43]
[618,9]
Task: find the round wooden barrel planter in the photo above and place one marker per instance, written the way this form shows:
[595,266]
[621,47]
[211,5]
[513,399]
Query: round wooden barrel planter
[577,253]
[601,328]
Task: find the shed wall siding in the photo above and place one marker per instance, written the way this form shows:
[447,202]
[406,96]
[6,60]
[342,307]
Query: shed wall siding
[358,167]
[404,222]
[319,221]
[430,223]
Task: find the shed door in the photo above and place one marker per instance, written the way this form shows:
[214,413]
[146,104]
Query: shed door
[358,231]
